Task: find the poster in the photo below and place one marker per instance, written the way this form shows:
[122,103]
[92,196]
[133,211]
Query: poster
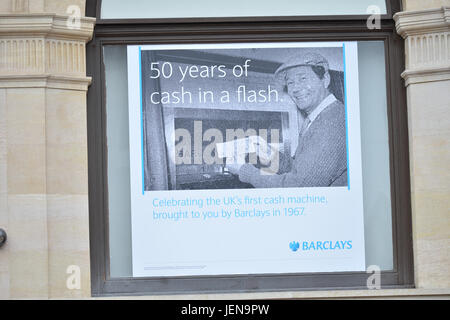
[245,159]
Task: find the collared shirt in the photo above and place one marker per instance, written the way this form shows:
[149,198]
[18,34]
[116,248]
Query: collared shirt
[325,103]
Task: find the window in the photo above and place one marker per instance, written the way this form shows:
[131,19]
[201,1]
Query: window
[142,9]
[384,141]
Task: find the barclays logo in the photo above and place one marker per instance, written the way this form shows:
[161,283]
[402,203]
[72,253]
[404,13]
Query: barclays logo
[321,245]
[294,245]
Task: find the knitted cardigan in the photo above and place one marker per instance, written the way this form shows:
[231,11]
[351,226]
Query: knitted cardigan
[320,159]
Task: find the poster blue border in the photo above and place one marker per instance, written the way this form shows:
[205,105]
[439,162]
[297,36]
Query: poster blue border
[346,118]
[142,118]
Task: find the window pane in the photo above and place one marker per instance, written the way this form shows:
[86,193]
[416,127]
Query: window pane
[133,9]
[375,154]
[375,157]
[118,160]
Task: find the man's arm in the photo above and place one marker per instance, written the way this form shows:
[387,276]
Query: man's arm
[321,160]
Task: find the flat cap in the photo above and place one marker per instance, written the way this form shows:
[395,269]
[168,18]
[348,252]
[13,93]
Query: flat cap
[304,59]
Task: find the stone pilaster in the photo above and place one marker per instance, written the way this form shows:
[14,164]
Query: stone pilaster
[43,148]
[427,77]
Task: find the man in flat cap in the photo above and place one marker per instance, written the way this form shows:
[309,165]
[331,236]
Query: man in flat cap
[321,156]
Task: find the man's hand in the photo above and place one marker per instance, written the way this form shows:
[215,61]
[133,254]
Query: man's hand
[265,151]
[233,167]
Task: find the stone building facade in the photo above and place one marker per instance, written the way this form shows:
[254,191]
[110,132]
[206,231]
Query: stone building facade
[43,150]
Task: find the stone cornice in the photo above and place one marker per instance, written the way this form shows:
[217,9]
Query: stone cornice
[422,22]
[43,50]
[427,44]
[426,75]
[45,81]
[45,25]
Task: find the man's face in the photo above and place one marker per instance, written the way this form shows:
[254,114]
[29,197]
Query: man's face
[305,88]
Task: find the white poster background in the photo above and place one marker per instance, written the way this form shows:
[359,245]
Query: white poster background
[249,245]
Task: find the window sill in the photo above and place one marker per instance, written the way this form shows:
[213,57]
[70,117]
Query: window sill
[412,293]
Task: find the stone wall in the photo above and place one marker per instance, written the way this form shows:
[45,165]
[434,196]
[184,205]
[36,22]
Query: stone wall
[43,148]
[427,76]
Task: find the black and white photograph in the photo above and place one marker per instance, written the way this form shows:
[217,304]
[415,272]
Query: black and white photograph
[243,118]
